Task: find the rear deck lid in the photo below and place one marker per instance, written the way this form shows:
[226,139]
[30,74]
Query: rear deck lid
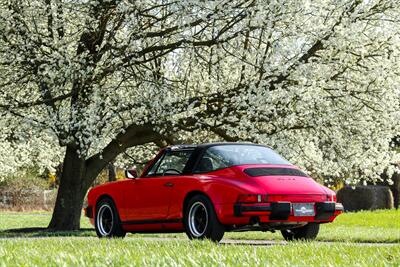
[284,180]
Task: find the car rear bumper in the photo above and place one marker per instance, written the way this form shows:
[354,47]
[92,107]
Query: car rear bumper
[282,211]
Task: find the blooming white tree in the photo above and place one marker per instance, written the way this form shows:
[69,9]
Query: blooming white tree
[316,80]
[24,147]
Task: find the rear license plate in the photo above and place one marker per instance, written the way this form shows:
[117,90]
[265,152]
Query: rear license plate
[303,209]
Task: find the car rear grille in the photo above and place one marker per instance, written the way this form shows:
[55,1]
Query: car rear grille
[263,171]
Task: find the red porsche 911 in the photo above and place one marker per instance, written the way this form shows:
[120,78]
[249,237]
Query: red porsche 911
[206,190]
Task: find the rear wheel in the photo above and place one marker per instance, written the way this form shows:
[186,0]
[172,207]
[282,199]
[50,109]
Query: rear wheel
[307,232]
[201,221]
[107,222]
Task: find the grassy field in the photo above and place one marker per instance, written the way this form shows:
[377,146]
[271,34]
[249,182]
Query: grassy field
[346,242]
[366,226]
[75,251]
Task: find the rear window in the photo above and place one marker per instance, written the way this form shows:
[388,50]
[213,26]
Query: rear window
[223,156]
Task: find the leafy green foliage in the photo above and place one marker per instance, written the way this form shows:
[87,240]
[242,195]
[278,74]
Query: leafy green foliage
[29,178]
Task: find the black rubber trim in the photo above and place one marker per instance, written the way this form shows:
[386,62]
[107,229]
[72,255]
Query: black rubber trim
[280,210]
[324,210]
[265,171]
[152,221]
[89,212]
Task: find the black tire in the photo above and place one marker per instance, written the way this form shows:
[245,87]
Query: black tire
[308,232]
[201,221]
[107,222]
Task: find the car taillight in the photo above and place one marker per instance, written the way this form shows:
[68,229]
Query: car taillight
[252,198]
[331,198]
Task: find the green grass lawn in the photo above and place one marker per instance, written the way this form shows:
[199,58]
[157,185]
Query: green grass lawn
[366,226]
[75,251]
[347,246]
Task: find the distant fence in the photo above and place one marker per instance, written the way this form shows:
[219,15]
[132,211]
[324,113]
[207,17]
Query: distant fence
[28,199]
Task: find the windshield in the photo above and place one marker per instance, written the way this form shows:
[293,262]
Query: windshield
[223,156]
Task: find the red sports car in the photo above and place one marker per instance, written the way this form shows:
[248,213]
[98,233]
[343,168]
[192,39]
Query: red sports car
[208,189]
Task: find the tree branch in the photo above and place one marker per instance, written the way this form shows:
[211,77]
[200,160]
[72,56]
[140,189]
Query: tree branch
[133,135]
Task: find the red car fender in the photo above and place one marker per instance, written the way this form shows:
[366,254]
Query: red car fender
[109,190]
[220,191]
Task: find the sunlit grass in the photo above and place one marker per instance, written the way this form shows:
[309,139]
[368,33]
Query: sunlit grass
[375,227]
[365,226]
[12,220]
[84,249]
[72,251]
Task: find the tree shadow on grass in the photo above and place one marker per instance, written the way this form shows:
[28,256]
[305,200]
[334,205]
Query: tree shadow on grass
[35,232]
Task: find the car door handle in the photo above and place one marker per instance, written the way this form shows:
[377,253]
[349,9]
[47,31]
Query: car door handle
[169,184]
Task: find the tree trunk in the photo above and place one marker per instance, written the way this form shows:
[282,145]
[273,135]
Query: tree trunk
[395,187]
[112,174]
[78,175]
[71,193]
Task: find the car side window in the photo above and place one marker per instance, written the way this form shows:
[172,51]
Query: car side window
[210,162]
[175,160]
[153,168]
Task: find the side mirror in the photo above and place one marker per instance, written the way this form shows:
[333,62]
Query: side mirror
[131,174]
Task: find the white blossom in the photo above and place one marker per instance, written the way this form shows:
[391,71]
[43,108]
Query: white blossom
[316,80]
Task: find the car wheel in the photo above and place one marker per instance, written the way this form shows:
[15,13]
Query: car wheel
[107,221]
[201,221]
[307,232]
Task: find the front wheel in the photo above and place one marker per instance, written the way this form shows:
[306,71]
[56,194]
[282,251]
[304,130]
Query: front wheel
[306,232]
[107,222]
[201,221]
